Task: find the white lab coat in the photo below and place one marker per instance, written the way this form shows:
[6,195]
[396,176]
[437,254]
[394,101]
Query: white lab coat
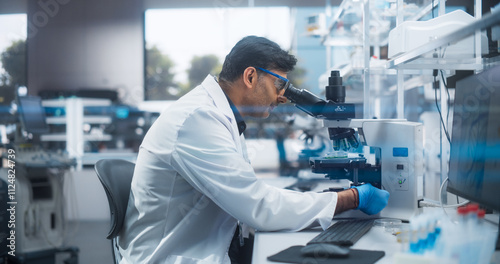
[193,182]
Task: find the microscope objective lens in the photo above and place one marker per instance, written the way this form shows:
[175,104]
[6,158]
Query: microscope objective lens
[336,144]
[345,144]
[353,141]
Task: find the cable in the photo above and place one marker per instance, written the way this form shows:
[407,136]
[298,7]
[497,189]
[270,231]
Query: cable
[440,115]
[448,99]
[435,73]
[448,205]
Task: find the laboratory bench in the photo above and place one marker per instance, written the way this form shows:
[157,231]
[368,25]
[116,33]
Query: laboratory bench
[270,243]
[376,239]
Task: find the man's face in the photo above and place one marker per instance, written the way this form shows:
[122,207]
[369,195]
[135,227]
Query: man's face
[267,95]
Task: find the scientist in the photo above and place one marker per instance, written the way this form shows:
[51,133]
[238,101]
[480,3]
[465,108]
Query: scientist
[193,185]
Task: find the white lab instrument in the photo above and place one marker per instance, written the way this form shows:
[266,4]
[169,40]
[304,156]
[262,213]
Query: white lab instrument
[412,34]
[35,195]
[398,144]
[399,153]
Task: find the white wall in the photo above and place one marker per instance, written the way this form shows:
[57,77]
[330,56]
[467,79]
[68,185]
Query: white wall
[75,44]
[85,198]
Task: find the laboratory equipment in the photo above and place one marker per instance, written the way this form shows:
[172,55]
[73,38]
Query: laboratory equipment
[35,178]
[333,108]
[344,232]
[316,25]
[413,34]
[475,141]
[35,181]
[396,164]
[28,151]
[463,237]
[389,225]
[32,115]
[39,202]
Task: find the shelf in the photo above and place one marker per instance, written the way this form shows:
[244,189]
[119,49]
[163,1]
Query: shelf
[85,102]
[403,60]
[74,120]
[348,70]
[86,137]
[61,120]
[438,64]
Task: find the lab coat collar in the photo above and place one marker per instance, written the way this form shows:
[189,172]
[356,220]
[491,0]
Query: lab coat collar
[220,100]
[215,91]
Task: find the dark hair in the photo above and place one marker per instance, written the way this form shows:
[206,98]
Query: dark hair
[253,51]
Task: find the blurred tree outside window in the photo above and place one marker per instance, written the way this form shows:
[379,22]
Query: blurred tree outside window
[201,66]
[14,64]
[159,77]
[13,32]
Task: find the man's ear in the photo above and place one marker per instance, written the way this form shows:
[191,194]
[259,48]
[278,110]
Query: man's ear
[250,77]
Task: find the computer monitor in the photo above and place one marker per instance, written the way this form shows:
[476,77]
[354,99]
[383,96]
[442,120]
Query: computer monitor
[32,115]
[474,171]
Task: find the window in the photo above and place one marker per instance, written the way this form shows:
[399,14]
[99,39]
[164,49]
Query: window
[184,45]
[13,31]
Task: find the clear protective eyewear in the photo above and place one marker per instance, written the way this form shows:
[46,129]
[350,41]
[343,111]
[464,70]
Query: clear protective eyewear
[280,83]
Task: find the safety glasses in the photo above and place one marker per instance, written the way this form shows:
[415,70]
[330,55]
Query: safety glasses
[280,83]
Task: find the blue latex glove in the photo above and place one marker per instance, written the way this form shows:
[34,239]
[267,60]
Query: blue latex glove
[371,200]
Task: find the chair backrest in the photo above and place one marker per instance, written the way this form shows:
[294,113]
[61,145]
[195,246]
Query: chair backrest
[116,178]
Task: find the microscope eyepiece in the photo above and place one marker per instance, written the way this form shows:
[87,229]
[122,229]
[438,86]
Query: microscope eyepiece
[335,91]
[305,100]
[332,108]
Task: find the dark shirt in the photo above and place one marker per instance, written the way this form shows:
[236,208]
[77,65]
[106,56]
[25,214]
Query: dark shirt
[239,119]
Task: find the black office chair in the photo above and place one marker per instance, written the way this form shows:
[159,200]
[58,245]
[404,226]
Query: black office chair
[116,178]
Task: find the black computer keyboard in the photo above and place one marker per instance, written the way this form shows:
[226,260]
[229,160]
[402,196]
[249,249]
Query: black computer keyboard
[344,232]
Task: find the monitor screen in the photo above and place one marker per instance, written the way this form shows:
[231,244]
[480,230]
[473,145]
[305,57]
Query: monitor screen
[475,143]
[32,115]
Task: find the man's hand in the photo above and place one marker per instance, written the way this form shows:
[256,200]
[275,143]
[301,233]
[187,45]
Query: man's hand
[371,200]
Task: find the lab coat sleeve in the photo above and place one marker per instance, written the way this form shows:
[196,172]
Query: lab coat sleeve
[205,155]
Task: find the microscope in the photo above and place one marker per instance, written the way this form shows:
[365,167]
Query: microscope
[393,162]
